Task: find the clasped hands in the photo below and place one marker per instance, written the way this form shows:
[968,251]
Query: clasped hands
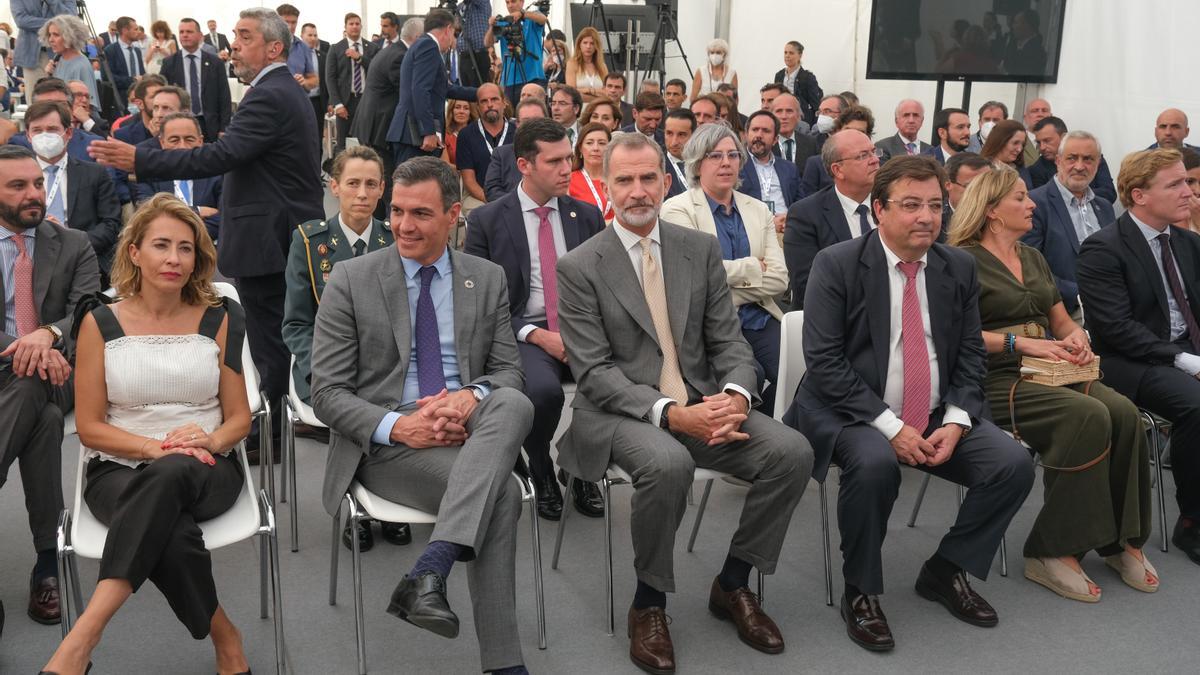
[912,449]
[35,353]
[717,419]
[189,439]
[440,420]
[1075,348]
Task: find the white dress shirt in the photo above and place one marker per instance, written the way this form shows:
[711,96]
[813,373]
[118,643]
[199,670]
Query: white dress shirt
[62,183]
[187,72]
[1185,361]
[888,422]
[850,209]
[632,244]
[771,187]
[535,306]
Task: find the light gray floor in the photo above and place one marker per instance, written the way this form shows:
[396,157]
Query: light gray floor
[1039,632]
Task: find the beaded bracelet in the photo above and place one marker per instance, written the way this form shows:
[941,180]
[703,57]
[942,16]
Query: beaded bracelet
[1010,343]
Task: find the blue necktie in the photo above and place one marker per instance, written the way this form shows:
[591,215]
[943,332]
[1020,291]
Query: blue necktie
[864,225]
[194,84]
[56,206]
[431,379]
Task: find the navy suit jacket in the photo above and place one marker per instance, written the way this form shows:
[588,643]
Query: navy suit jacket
[205,192]
[93,208]
[658,134]
[132,132]
[502,174]
[813,224]
[421,108]
[496,232]
[272,162]
[677,187]
[118,65]
[1054,235]
[789,180]
[814,178]
[215,102]
[378,103]
[847,339]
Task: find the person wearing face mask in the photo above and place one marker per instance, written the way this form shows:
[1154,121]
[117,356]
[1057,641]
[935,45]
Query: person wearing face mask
[54,89]
[990,113]
[181,131]
[714,73]
[828,111]
[800,83]
[815,177]
[79,195]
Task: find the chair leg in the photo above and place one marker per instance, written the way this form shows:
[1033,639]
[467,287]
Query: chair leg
[562,524]
[285,423]
[62,550]
[605,486]
[293,500]
[78,605]
[699,514]
[333,555]
[912,519]
[359,623]
[271,543]
[264,564]
[538,590]
[825,538]
[1004,556]
[1157,452]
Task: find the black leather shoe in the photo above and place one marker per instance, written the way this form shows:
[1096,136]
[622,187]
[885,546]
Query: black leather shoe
[422,602]
[1186,538]
[865,623]
[366,540]
[587,498]
[43,601]
[397,534]
[549,498]
[957,596]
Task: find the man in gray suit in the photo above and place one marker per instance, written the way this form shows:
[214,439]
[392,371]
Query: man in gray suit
[45,270]
[423,391]
[628,298]
[910,115]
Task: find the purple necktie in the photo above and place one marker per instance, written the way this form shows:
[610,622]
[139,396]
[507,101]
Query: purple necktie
[1168,261]
[548,261]
[430,377]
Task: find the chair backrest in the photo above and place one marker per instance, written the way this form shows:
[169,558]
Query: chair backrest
[253,387]
[791,361]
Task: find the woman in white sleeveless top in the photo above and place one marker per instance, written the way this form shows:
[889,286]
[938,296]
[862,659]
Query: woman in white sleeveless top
[160,406]
[586,69]
[715,72]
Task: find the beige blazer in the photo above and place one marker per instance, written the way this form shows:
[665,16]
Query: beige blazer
[748,282]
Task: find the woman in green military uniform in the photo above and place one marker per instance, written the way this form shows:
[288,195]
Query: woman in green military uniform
[1089,439]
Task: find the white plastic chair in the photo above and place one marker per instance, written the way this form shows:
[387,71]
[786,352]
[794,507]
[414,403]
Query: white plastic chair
[294,410]
[251,515]
[360,504]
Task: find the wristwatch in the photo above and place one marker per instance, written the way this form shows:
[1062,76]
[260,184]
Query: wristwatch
[53,331]
[663,418]
[965,429]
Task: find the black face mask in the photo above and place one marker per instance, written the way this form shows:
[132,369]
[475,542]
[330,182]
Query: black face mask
[16,217]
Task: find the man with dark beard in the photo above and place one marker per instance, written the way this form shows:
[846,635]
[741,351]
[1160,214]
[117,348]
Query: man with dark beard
[776,183]
[35,377]
[478,141]
[953,129]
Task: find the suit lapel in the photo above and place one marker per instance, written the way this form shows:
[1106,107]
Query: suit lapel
[677,276]
[72,187]
[877,293]
[45,259]
[514,224]
[1187,264]
[572,234]
[750,180]
[465,313]
[836,218]
[1063,216]
[939,294]
[703,212]
[621,278]
[1137,243]
[394,287]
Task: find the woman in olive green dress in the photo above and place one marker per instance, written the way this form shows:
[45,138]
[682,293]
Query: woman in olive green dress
[1090,439]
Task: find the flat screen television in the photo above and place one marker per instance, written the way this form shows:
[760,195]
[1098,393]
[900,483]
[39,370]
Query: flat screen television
[959,40]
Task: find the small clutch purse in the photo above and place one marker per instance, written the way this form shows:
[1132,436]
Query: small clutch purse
[1058,373]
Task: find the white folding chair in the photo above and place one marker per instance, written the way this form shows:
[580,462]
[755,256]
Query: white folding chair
[360,504]
[294,410]
[250,516]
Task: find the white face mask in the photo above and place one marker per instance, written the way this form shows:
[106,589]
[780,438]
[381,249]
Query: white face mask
[716,59]
[47,145]
[986,129]
[824,124]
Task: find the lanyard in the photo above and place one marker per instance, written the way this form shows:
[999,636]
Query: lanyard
[595,195]
[678,172]
[54,188]
[179,193]
[503,135]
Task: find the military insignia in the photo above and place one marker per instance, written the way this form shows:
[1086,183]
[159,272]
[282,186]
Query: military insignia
[333,241]
[382,241]
[469,284]
[326,266]
[322,249]
[325,277]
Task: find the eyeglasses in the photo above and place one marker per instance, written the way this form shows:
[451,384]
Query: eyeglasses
[717,155]
[915,205]
[863,156]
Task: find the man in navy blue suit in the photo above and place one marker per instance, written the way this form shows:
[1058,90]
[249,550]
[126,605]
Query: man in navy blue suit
[419,120]
[271,157]
[1069,211]
[125,60]
[770,179]
[511,233]
[678,128]
[201,75]
[181,131]
[648,111]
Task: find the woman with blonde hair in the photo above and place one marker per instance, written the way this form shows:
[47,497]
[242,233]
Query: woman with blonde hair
[586,69]
[67,36]
[1088,438]
[160,406]
[715,72]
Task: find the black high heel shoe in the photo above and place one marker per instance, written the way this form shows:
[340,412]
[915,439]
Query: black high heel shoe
[50,672]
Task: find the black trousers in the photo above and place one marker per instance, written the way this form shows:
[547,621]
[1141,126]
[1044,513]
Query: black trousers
[152,514]
[263,298]
[765,343]
[996,470]
[319,111]
[544,376]
[1173,394]
[383,208]
[343,125]
[474,68]
[31,434]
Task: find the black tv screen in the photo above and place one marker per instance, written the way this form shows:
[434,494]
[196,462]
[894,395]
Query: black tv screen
[978,40]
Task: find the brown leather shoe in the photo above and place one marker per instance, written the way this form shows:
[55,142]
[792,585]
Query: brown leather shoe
[958,597]
[866,624]
[43,602]
[741,607]
[650,645]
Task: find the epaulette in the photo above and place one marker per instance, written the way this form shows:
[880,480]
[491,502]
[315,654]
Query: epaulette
[312,227]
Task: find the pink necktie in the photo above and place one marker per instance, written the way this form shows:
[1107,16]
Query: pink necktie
[548,260]
[915,408]
[27,316]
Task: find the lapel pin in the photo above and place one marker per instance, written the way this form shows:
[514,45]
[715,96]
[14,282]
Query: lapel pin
[572,214]
[322,250]
[469,284]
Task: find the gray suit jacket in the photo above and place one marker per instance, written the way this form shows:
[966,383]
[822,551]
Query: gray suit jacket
[612,346]
[362,346]
[64,270]
[893,146]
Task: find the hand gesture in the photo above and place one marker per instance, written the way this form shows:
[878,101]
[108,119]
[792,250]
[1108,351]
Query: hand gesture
[910,448]
[715,420]
[429,143]
[550,342]
[944,439]
[353,54]
[35,353]
[190,439]
[1080,347]
[1055,350]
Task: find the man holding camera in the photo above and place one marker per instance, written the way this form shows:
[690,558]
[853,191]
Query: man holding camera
[521,35]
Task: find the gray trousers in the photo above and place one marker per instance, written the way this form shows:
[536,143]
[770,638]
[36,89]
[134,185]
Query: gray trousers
[478,503]
[998,474]
[776,459]
[31,434]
